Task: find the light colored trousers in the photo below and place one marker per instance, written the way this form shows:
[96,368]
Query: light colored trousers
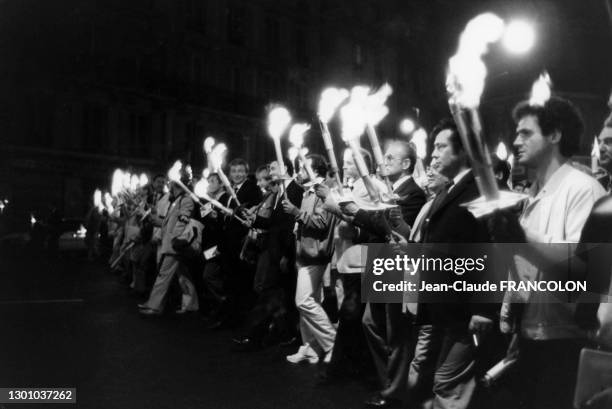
[315,326]
[170,266]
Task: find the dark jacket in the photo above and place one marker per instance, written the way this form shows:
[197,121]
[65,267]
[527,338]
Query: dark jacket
[411,199]
[234,232]
[452,223]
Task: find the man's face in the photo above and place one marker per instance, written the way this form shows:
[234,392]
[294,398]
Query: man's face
[395,161]
[605,148]
[238,174]
[532,147]
[214,185]
[158,185]
[303,174]
[263,180]
[435,181]
[349,167]
[444,158]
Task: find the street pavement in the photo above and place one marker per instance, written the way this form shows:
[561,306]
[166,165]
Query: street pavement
[70,323]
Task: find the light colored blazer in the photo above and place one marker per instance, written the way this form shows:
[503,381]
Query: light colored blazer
[174,223]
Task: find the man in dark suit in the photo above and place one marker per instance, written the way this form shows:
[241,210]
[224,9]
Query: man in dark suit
[239,274]
[446,329]
[386,326]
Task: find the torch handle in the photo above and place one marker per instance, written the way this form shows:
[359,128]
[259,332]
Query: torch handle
[228,185]
[363,171]
[307,166]
[279,156]
[329,147]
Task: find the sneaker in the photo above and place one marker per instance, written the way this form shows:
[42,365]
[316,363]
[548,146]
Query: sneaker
[305,353]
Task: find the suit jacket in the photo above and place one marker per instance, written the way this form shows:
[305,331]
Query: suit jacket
[453,223]
[179,213]
[411,199]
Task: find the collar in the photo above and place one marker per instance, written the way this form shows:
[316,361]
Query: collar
[459,176]
[237,187]
[400,181]
[556,179]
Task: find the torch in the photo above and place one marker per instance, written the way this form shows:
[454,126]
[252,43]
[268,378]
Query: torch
[376,110]
[278,121]
[595,157]
[175,176]
[331,98]
[216,159]
[108,202]
[502,154]
[419,140]
[353,125]
[201,191]
[209,143]
[97,198]
[296,138]
[465,83]
[143,179]
[117,182]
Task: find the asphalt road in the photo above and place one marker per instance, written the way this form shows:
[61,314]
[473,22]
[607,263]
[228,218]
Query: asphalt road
[69,323]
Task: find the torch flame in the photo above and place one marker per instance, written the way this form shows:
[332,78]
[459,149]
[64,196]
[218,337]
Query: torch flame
[108,202]
[595,151]
[97,198]
[144,179]
[206,173]
[352,114]
[375,108]
[501,152]
[134,182]
[540,91]
[174,174]
[278,121]
[296,134]
[117,183]
[419,139]
[209,142]
[201,188]
[466,70]
[331,98]
[32,220]
[217,154]
[126,180]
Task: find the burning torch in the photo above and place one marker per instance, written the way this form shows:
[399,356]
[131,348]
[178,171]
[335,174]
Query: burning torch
[296,138]
[375,111]
[331,98]
[216,159]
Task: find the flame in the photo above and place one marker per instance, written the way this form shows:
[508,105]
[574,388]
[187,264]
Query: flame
[347,155]
[501,152]
[117,183]
[201,188]
[279,119]
[296,134]
[97,198]
[419,139]
[206,173]
[540,91]
[331,98]
[144,179]
[134,182]
[375,107]
[466,70]
[595,151]
[216,156]
[81,232]
[32,219]
[510,160]
[126,180]
[108,202]
[353,115]
[304,151]
[293,153]
[174,174]
[209,142]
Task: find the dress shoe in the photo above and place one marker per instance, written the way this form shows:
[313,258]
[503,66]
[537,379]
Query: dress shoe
[150,312]
[379,401]
[143,306]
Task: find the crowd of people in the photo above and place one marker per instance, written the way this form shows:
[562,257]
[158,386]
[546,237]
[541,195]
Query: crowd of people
[285,265]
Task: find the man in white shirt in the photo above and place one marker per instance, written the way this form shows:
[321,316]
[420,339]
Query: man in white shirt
[560,200]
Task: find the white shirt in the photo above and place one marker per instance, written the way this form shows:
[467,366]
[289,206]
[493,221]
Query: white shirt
[556,214]
[399,181]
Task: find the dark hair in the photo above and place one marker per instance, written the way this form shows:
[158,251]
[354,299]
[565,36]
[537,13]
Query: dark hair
[215,175]
[455,139]
[503,167]
[159,175]
[262,168]
[409,150]
[319,164]
[557,114]
[239,162]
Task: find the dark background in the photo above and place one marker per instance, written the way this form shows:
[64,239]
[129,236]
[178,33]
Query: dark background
[90,85]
